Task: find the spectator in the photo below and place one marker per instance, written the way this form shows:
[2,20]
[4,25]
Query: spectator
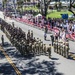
[63,35]
[52,39]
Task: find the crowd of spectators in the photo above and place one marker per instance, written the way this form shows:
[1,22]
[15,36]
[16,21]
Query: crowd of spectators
[54,24]
[68,25]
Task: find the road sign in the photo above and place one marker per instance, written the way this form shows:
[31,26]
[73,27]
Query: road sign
[64,16]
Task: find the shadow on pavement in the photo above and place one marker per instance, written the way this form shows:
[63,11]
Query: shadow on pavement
[31,66]
[6,69]
[41,68]
[55,58]
[48,40]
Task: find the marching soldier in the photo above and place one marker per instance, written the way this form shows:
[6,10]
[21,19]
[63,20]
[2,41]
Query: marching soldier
[14,42]
[57,46]
[37,48]
[63,53]
[31,36]
[37,40]
[49,50]
[22,47]
[41,47]
[24,36]
[44,49]
[66,50]
[28,35]
[54,46]
[30,47]
[17,44]
[39,43]
[34,39]
[61,48]
[34,48]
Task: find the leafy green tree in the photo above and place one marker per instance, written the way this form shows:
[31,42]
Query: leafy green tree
[72,5]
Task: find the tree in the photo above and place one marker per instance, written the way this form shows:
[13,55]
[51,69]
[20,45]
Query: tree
[56,6]
[60,6]
[72,5]
[44,6]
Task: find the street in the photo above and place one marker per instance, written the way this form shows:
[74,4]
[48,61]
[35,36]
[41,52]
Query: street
[39,65]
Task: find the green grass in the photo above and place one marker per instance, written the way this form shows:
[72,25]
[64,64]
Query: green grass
[56,14]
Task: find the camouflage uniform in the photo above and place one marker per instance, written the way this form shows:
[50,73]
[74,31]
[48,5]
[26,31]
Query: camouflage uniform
[49,50]
[44,49]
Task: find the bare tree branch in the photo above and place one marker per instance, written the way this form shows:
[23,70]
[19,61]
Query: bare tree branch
[72,11]
[72,6]
[73,2]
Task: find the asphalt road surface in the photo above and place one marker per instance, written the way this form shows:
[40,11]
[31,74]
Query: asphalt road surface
[40,65]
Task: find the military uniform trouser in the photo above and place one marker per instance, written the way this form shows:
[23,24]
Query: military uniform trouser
[41,49]
[55,46]
[60,51]
[16,45]
[30,50]
[66,53]
[37,50]
[23,50]
[49,54]
[33,49]
[20,48]
[44,51]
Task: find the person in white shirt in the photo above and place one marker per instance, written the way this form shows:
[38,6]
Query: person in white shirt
[62,35]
